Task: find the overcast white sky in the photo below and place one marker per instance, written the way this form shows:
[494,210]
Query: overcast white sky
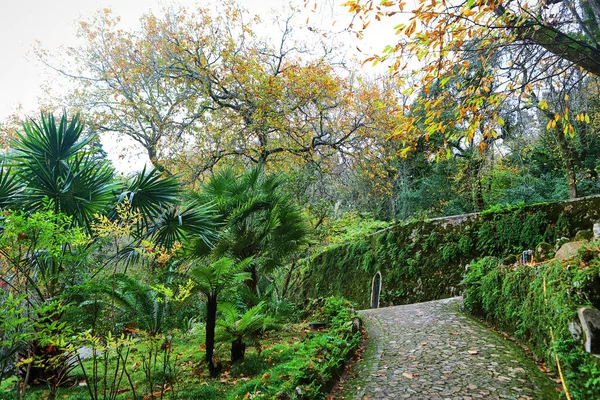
[54,24]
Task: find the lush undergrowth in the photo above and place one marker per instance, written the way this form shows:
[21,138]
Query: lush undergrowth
[293,362]
[317,362]
[425,260]
[536,304]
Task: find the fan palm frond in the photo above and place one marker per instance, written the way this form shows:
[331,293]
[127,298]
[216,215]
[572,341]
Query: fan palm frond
[51,162]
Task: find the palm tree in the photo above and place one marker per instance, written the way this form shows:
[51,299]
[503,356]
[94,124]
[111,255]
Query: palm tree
[260,220]
[52,164]
[213,280]
[55,162]
[168,214]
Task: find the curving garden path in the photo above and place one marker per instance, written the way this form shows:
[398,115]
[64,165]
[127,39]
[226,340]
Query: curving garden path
[433,351]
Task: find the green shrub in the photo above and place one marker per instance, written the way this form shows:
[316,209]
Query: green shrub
[200,393]
[535,304]
[317,362]
[252,364]
[585,234]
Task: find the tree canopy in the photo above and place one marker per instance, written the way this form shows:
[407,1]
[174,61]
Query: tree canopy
[521,48]
[196,89]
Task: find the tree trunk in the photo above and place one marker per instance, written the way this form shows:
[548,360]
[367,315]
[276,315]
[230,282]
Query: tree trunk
[565,45]
[288,278]
[238,350]
[567,155]
[475,166]
[571,179]
[211,321]
[566,152]
[152,155]
[252,283]
[479,202]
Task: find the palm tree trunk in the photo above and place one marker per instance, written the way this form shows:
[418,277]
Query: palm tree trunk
[252,283]
[211,321]
[238,350]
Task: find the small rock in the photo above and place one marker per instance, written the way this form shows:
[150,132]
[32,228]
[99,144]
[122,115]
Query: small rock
[575,330]
[560,242]
[568,250]
[543,251]
[590,322]
[356,325]
[597,231]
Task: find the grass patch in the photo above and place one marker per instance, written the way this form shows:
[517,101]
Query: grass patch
[294,362]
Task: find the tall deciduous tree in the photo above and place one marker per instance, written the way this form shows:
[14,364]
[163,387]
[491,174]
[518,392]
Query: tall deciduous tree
[551,37]
[194,90]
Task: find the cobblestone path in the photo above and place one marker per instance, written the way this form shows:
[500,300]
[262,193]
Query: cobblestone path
[432,351]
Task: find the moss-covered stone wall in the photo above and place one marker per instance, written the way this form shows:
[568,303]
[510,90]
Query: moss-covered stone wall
[426,260]
[538,306]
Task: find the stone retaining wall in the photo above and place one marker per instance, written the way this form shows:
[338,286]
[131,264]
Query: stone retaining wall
[426,260]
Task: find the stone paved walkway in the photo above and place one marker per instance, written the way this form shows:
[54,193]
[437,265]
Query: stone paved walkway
[432,351]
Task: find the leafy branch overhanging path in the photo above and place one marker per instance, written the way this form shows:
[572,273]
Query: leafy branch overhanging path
[433,351]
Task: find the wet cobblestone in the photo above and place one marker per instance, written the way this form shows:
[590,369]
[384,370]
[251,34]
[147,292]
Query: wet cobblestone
[432,351]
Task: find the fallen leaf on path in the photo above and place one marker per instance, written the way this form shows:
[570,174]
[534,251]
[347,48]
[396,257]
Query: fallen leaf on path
[407,375]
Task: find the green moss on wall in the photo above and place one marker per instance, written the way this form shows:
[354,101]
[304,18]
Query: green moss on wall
[531,302]
[426,260]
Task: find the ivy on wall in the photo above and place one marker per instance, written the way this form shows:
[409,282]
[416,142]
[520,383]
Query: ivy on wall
[536,304]
[426,260]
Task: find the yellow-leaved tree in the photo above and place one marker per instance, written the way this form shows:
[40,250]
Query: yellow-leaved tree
[195,89]
[529,56]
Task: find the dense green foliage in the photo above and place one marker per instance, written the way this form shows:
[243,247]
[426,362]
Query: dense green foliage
[129,266]
[258,218]
[123,274]
[317,361]
[291,363]
[536,305]
[425,260]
